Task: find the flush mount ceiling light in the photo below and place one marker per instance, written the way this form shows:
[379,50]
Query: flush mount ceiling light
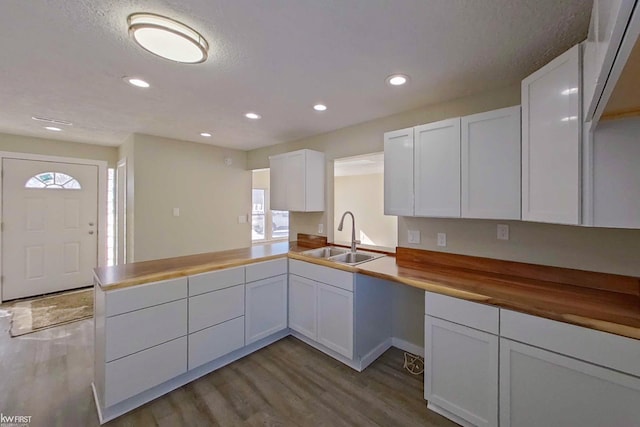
[53,128]
[320,107]
[167,38]
[253,116]
[134,81]
[397,79]
[205,134]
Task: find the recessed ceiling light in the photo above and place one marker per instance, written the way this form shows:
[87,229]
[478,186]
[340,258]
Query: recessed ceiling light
[253,116]
[167,38]
[52,128]
[397,79]
[320,107]
[52,121]
[134,81]
[205,134]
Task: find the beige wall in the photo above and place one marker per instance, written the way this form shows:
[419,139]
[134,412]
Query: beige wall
[192,177]
[364,196]
[52,147]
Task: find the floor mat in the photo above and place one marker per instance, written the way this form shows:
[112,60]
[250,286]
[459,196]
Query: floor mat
[45,312]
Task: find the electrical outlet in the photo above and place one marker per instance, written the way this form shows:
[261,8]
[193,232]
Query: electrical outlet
[320,228]
[413,236]
[442,239]
[503,232]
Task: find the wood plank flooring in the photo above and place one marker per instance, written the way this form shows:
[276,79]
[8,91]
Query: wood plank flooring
[48,374]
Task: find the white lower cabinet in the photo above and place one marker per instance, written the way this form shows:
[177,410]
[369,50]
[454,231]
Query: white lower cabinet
[141,371]
[216,341]
[541,388]
[302,306]
[335,319]
[461,362]
[266,307]
[321,305]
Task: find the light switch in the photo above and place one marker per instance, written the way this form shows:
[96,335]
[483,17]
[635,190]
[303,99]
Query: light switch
[413,236]
[176,211]
[442,239]
[320,228]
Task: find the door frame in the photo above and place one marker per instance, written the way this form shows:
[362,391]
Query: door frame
[102,196]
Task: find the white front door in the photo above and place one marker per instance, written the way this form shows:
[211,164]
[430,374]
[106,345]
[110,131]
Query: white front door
[49,213]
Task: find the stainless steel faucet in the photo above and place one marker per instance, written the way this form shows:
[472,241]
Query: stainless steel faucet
[353,229]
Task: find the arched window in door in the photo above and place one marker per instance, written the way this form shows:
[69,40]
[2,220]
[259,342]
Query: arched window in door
[53,180]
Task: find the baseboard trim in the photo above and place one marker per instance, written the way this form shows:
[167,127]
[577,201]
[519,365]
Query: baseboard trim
[407,346]
[370,357]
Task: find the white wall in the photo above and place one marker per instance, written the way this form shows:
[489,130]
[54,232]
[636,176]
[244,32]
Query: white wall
[364,196]
[169,174]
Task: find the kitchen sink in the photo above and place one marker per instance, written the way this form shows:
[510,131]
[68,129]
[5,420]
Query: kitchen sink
[343,256]
[325,253]
[353,258]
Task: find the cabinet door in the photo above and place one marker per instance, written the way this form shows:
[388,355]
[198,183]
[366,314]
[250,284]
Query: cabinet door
[296,181]
[437,169]
[398,172]
[551,132]
[540,388]
[491,164]
[335,319]
[302,306]
[461,372]
[278,183]
[266,311]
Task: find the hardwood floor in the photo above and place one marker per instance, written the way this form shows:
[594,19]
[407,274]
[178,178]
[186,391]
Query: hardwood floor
[48,374]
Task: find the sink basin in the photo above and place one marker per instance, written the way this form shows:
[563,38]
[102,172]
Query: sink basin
[353,258]
[325,253]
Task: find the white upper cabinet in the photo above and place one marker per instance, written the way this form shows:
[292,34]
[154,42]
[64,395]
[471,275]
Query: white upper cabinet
[551,141]
[297,181]
[398,172]
[609,19]
[467,167]
[437,169]
[491,164]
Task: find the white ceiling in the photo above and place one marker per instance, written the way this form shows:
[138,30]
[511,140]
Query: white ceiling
[65,59]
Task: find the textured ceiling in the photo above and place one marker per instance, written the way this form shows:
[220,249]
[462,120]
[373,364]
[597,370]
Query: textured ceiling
[65,59]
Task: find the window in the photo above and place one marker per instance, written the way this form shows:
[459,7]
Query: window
[53,180]
[266,225]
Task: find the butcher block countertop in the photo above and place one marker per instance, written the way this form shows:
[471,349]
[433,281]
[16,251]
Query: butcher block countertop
[137,273]
[604,302]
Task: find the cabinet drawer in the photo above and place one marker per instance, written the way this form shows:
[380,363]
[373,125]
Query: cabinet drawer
[136,297]
[215,307]
[471,314]
[263,270]
[216,341]
[131,332]
[601,348]
[214,280]
[139,372]
[330,276]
